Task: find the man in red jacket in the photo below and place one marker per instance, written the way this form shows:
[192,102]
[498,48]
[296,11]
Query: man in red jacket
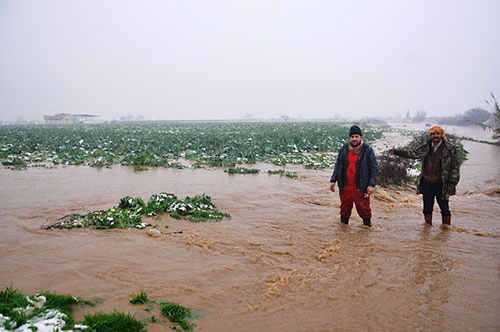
[356,172]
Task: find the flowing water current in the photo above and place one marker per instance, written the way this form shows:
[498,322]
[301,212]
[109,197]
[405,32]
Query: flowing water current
[282,263]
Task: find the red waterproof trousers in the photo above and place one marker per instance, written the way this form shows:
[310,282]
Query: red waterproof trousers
[350,195]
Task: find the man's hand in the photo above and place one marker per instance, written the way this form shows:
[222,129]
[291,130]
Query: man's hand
[370,190]
[332,186]
[391,151]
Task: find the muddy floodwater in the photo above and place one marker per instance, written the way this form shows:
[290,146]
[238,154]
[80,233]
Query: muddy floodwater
[282,263]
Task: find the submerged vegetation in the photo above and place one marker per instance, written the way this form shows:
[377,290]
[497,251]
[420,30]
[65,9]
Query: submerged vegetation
[292,175]
[50,312]
[177,314]
[129,212]
[241,170]
[140,298]
[21,312]
[115,321]
[312,144]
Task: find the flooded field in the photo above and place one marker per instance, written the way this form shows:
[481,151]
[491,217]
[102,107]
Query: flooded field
[282,263]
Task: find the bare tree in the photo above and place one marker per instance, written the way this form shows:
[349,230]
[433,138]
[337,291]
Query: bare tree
[285,117]
[495,109]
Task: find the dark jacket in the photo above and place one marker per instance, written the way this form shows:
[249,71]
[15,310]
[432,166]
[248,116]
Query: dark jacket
[450,166]
[366,168]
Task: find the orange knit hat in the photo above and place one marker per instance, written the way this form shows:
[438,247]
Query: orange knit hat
[437,129]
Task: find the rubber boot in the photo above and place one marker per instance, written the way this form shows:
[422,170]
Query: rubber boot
[367,222]
[344,220]
[446,220]
[428,219]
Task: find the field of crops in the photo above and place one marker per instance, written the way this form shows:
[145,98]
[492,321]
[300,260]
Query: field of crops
[171,144]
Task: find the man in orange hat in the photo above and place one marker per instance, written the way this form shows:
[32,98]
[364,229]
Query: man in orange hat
[440,172]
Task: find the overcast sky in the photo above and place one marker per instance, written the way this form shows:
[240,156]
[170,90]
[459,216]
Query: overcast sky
[215,59]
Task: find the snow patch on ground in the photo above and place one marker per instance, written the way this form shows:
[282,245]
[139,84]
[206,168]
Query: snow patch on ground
[51,320]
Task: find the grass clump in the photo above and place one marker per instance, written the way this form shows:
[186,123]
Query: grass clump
[175,215]
[138,168]
[241,170]
[15,162]
[177,314]
[177,165]
[10,300]
[64,304]
[116,321]
[282,172]
[140,298]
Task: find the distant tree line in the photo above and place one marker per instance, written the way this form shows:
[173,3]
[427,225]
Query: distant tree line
[472,117]
[420,116]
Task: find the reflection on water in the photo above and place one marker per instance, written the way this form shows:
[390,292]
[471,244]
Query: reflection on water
[481,170]
[282,263]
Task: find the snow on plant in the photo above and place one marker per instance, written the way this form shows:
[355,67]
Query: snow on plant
[128,213]
[161,144]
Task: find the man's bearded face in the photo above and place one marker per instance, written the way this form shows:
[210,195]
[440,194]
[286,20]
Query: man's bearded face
[355,140]
[436,137]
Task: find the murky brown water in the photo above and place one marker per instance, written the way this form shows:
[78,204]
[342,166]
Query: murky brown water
[282,263]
